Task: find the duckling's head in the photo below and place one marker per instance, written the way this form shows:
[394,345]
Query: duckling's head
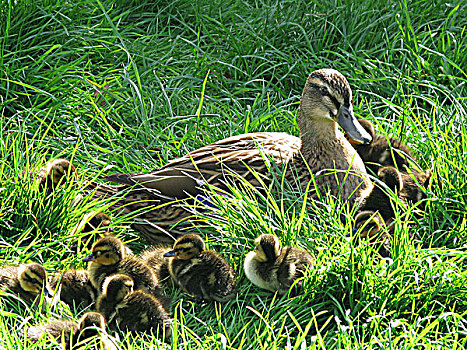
[327,99]
[187,247]
[89,324]
[391,177]
[54,171]
[97,220]
[33,279]
[368,222]
[268,248]
[117,286]
[107,251]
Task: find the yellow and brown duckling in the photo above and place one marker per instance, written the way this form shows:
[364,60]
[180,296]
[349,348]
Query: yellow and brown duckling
[202,274]
[92,226]
[371,227]
[27,281]
[274,268]
[132,310]
[70,332]
[54,173]
[76,289]
[109,257]
[326,102]
[382,150]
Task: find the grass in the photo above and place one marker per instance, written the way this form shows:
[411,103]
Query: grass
[124,86]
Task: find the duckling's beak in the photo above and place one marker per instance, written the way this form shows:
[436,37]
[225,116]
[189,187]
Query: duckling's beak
[169,254]
[90,257]
[351,126]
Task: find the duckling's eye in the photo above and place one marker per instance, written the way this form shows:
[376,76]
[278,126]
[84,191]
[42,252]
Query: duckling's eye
[107,255]
[34,280]
[324,90]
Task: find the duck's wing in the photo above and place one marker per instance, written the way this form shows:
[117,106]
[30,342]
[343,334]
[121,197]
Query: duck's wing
[241,155]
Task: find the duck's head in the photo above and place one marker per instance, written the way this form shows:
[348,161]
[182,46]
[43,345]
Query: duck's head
[117,286]
[55,170]
[89,325]
[33,279]
[268,248]
[107,251]
[369,223]
[187,247]
[391,177]
[326,100]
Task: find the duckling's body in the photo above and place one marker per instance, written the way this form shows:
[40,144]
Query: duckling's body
[154,257]
[382,151]
[55,173]
[202,274]
[372,227]
[325,103]
[131,310]
[274,268]
[76,288]
[27,281]
[109,257]
[71,332]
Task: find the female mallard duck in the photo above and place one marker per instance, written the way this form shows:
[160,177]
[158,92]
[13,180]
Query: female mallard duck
[109,257]
[27,281]
[76,289]
[53,173]
[131,310]
[382,150]
[274,268]
[71,333]
[326,102]
[202,274]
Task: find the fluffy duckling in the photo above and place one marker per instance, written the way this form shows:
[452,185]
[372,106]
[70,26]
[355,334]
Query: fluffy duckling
[53,173]
[76,288]
[109,257]
[372,227]
[382,150]
[27,281]
[131,310]
[71,332]
[154,257]
[274,268]
[204,275]
[406,188]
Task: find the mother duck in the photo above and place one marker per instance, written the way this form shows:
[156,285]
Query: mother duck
[321,150]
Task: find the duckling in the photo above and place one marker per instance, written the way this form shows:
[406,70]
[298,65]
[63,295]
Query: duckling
[326,102]
[76,288]
[70,332]
[53,173]
[274,268]
[379,199]
[131,310]
[202,274]
[154,257]
[382,150]
[370,225]
[401,183]
[27,281]
[109,257]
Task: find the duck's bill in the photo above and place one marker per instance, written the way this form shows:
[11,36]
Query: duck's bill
[170,254]
[89,258]
[352,127]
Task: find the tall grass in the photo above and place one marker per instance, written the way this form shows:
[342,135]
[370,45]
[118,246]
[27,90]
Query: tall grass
[124,86]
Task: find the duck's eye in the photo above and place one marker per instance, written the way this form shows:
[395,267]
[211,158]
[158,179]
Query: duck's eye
[323,90]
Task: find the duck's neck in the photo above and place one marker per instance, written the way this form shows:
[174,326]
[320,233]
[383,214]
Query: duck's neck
[318,135]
